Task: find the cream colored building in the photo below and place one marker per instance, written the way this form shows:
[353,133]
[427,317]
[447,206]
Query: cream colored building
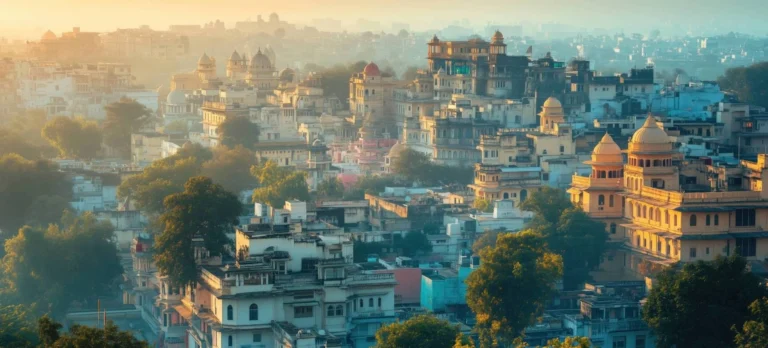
[642,202]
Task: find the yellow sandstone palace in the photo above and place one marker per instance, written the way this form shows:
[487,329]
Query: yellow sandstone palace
[664,208]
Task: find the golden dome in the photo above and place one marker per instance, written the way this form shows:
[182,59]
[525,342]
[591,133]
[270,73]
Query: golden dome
[48,35]
[552,102]
[498,37]
[650,133]
[607,151]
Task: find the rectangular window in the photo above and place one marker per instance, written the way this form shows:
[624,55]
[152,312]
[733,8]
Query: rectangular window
[746,246]
[620,342]
[257,337]
[640,341]
[745,217]
[693,253]
[302,312]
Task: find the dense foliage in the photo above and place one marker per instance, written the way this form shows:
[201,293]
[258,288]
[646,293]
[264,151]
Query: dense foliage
[569,231]
[698,305]
[27,187]
[73,137]
[86,337]
[228,167]
[754,332]
[330,189]
[423,331]
[238,131]
[74,260]
[203,210]
[509,290]
[412,244]
[17,329]
[279,185]
[416,166]
[750,84]
[124,117]
[370,184]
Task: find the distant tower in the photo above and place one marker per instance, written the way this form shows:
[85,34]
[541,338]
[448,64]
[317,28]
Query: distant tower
[318,157]
[206,68]
[497,44]
[237,67]
[551,114]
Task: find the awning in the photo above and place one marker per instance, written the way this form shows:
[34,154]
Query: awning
[183,311]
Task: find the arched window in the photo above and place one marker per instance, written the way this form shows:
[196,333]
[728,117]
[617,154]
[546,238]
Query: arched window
[613,228]
[674,220]
[650,214]
[658,215]
[717,217]
[253,312]
[666,217]
[379,303]
[645,212]
[370,302]
[361,303]
[601,200]
[330,312]
[693,220]
[523,195]
[639,212]
[610,201]
[230,313]
[707,220]
[506,195]
[339,310]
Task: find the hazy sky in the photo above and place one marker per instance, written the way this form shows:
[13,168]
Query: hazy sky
[102,15]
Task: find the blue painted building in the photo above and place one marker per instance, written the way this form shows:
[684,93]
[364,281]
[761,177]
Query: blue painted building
[444,287]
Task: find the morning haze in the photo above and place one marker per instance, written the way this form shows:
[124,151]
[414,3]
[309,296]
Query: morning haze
[391,174]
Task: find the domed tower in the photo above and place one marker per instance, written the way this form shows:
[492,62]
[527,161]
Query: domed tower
[287,76]
[318,156]
[48,36]
[393,155]
[649,159]
[497,44]
[261,71]
[237,67]
[206,68]
[550,115]
[598,193]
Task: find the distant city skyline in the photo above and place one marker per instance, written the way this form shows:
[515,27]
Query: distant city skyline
[672,17]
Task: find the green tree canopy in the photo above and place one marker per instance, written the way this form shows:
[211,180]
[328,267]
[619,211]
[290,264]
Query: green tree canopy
[335,80]
[124,117]
[750,84]
[236,131]
[486,240]
[331,188]
[279,185]
[203,210]
[509,290]
[422,331]
[231,168]
[73,137]
[17,327]
[371,184]
[721,290]
[74,260]
[482,205]
[754,332]
[416,166]
[569,231]
[413,243]
[13,142]
[87,337]
[23,183]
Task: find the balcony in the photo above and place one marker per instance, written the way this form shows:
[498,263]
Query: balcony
[375,278]
[588,181]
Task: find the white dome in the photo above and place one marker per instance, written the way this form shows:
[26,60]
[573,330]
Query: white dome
[176,97]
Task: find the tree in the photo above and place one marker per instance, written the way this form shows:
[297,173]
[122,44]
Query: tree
[204,210]
[30,125]
[17,329]
[750,84]
[74,260]
[90,337]
[486,240]
[422,331]
[231,168]
[413,243]
[330,188]
[722,289]
[410,73]
[569,232]
[12,142]
[754,332]
[74,138]
[335,80]
[370,184]
[416,166]
[512,285]
[482,205]
[48,330]
[568,342]
[279,185]
[124,117]
[236,131]
[164,177]
[22,184]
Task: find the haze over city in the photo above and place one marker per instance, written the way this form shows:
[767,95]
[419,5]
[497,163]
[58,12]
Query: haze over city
[388,174]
